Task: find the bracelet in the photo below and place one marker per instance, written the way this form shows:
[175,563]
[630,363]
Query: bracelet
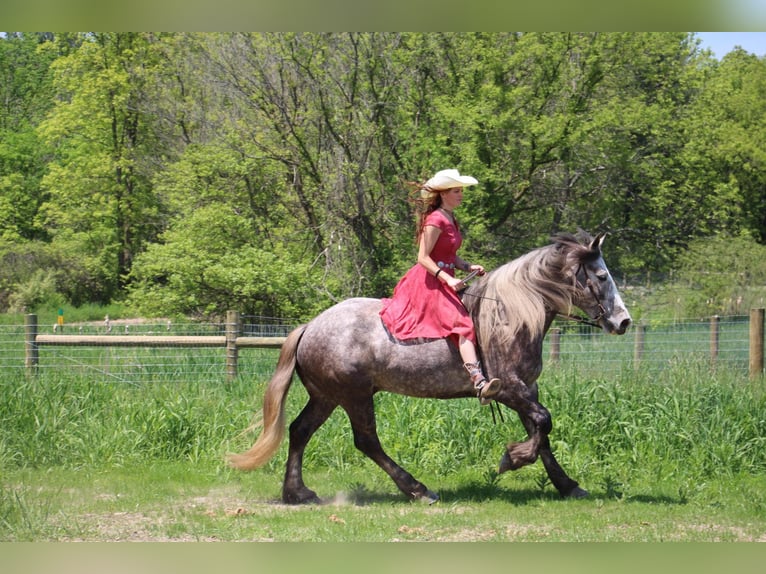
[436,275]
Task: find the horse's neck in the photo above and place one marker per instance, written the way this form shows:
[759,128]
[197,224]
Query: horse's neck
[502,320]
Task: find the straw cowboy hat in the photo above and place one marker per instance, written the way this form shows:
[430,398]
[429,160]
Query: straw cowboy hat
[449,178]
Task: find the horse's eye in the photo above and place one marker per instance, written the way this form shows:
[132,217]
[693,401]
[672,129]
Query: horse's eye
[602,275]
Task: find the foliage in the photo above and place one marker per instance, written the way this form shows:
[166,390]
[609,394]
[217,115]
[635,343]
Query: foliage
[721,276]
[230,270]
[110,143]
[76,278]
[39,290]
[100,203]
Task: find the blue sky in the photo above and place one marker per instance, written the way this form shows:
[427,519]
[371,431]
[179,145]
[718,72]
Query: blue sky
[721,43]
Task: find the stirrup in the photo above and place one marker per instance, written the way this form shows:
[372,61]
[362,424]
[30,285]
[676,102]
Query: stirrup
[486,390]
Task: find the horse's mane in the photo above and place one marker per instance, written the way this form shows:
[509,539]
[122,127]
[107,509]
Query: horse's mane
[519,294]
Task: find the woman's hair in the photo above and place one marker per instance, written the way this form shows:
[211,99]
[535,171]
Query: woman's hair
[424,201]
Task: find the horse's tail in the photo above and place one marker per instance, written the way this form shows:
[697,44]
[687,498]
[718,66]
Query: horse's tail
[273,408]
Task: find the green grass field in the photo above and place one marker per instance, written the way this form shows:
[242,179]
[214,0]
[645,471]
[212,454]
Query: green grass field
[676,454]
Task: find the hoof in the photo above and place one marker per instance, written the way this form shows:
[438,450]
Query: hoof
[304,496]
[428,497]
[577,492]
[507,463]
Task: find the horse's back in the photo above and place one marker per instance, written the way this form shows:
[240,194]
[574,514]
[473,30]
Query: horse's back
[347,345]
[349,321]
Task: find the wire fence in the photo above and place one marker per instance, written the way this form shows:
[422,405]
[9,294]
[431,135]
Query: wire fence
[721,342]
[136,364]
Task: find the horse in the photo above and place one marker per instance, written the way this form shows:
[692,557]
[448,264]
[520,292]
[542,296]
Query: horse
[345,355]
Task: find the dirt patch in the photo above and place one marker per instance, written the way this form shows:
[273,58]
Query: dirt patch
[176,523]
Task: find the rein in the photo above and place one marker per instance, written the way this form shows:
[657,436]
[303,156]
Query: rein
[464,290]
[579,319]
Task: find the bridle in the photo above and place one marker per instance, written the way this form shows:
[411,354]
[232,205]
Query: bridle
[601,309]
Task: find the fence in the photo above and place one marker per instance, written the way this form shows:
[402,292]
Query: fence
[213,351]
[127,351]
[735,342]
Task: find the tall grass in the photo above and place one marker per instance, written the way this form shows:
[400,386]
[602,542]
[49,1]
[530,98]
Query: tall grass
[687,422]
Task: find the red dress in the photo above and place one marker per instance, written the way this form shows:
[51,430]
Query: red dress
[423,307]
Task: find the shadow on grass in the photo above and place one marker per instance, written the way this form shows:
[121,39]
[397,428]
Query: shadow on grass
[475,492]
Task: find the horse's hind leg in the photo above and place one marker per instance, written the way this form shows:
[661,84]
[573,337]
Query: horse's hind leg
[313,415]
[362,417]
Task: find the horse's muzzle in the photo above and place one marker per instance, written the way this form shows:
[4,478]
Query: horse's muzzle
[617,324]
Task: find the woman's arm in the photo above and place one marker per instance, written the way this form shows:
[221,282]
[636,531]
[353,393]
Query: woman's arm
[427,241]
[463,265]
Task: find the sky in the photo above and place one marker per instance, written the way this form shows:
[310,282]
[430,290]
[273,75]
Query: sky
[721,43]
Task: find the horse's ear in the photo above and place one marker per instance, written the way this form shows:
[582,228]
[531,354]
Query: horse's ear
[595,245]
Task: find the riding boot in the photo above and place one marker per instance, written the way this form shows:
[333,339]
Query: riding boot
[485,389]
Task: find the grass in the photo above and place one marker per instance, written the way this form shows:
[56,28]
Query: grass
[676,455]
[165,501]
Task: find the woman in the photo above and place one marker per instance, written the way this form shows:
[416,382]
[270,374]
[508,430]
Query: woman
[426,304]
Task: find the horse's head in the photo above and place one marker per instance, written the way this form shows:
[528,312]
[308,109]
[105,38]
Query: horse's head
[595,291]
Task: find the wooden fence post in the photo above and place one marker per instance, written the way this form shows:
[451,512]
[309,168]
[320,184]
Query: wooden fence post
[232,351]
[31,352]
[715,333]
[638,347]
[555,345]
[756,342]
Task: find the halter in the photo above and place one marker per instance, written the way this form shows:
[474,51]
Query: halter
[601,309]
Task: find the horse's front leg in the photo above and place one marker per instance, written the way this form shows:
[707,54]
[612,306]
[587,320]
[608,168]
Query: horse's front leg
[567,487]
[538,424]
[535,418]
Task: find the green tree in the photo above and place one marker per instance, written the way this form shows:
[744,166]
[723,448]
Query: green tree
[721,275]
[100,203]
[124,156]
[322,109]
[213,260]
[25,97]
[568,130]
[725,157]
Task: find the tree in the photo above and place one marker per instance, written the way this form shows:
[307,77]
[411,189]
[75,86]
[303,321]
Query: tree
[323,108]
[183,276]
[119,152]
[100,201]
[25,97]
[721,275]
[725,155]
[569,130]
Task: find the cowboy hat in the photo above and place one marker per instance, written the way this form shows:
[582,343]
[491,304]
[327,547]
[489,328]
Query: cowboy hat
[449,178]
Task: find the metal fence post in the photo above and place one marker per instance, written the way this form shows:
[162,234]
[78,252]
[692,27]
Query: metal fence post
[31,352]
[715,333]
[638,347]
[555,345]
[232,353]
[756,342]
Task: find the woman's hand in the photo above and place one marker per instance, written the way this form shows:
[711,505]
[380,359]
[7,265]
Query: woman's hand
[478,268]
[454,283]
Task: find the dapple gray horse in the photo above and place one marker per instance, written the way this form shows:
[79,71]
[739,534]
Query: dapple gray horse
[345,355]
